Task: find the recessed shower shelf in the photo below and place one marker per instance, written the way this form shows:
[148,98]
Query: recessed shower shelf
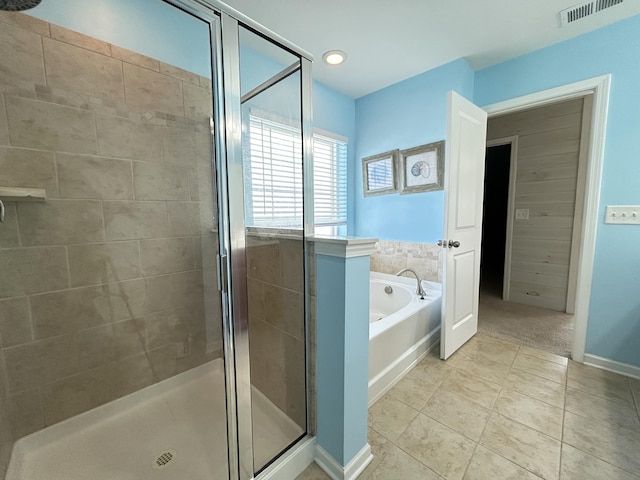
[18,194]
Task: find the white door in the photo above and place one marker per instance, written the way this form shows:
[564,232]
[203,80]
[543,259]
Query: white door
[463,192]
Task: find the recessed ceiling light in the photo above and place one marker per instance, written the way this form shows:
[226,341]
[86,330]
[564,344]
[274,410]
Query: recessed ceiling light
[334,57]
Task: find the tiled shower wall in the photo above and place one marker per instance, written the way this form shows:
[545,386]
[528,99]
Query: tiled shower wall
[275,267]
[101,287]
[391,257]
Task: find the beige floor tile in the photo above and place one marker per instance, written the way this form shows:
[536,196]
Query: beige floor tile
[473,388]
[313,472]
[433,369]
[599,382]
[458,413]
[390,417]
[414,390]
[438,447]
[603,410]
[549,357]
[380,446]
[577,465]
[398,464]
[486,465]
[635,390]
[535,414]
[478,364]
[541,368]
[618,446]
[530,449]
[495,349]
[536,387]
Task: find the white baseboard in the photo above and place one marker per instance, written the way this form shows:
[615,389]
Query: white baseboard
[612,366]
[355,467]
[293,463]
[383,382]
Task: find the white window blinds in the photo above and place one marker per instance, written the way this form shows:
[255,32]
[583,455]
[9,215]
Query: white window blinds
[273,177]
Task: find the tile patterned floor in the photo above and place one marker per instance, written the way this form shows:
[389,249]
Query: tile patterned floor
[500,410]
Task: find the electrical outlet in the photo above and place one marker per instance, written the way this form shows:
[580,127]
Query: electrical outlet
[522,214]
[623,214]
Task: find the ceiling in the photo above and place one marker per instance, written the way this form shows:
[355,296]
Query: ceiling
[387,42]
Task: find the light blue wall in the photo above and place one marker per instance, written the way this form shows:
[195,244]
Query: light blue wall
[342,369]
[150,27]
[614,319]
[403,115]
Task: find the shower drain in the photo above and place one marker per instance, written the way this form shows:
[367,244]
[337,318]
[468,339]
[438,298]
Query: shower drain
[163,460]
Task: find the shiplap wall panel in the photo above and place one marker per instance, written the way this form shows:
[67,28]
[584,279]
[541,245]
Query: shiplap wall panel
[546,181]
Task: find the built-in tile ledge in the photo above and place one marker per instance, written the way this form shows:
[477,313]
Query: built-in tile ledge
[17,194]
[343,247]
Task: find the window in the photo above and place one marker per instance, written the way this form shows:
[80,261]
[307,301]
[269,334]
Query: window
[273,176]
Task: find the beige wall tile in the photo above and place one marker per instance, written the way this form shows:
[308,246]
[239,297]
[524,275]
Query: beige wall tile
[284,309]
[263,260]
[163,362]
[48,126]
[173,326]
[9,235]
[130,299]
[114,341]
[28,168]
[294,380]
[15,324]
[166,255]
[32,270]
[151,91]
[133,220]
[135,58]
[198,101]
[35,364]
[179,73]
[80,40]
[21,54]
[184,218]
[103,263]
[125,138]
[26,22]
[72,310]
[83,71]
[25,410]
[179,146]
[135,373]
[84,176]
[4,127]
[292,267]
[255,294]
[60,222]
[160,182]
[176,290]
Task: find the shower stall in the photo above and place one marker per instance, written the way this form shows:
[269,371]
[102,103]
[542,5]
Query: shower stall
[153,264]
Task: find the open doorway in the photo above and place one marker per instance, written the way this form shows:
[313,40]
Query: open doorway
[534,193]
[495,215]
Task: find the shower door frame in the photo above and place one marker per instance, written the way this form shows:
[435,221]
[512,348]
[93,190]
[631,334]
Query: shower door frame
[226,131]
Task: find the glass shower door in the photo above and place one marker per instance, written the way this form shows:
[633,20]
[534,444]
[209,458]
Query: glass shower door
[110,316]
[268,255]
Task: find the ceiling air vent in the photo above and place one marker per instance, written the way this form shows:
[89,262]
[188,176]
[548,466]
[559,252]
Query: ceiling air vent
[585,9]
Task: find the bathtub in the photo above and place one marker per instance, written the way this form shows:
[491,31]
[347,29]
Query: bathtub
[402,328]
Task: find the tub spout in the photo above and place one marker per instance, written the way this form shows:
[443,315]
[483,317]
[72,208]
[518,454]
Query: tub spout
[420,291]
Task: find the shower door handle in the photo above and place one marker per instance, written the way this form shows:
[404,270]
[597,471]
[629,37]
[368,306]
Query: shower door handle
[1,212]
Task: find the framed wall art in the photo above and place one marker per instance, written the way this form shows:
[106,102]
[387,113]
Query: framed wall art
[379,174]
[421,169]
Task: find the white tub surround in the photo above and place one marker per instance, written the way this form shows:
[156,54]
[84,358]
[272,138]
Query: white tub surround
[342,326]
[404,328]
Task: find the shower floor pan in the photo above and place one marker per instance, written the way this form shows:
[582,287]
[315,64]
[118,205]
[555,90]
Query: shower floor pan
[175,429]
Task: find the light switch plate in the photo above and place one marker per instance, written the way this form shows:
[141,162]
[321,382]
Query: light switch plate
[522,214]
[623,214]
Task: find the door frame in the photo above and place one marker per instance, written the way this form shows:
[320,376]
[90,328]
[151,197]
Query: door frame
[511,205]
[600,88]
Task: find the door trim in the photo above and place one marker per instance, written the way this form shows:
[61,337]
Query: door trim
[511,205]
[599,87]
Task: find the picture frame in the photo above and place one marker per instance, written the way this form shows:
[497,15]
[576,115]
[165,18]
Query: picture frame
[379,174]
[421,169]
